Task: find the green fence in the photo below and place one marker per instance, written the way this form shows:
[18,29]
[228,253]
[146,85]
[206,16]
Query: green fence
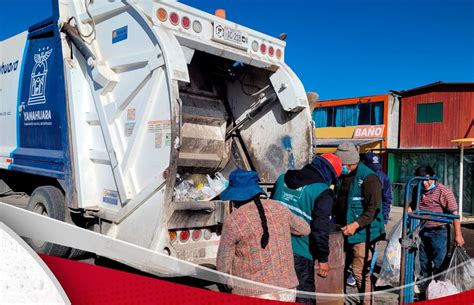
[401,168]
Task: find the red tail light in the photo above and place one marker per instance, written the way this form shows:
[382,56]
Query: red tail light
[271,51]
[186,22]
[263,48]
[174,18]
[184,236]
[196,235]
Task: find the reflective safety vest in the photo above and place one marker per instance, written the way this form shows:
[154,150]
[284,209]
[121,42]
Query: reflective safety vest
[300,201]
[355,208]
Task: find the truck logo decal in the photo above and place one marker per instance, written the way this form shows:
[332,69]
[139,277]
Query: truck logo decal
[220,31]
[38,77]
[8,67]
[38,115]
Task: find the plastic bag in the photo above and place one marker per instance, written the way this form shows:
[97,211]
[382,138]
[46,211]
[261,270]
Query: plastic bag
[390,271]
[438,289]
[460,271]
[198,187]
[218,184]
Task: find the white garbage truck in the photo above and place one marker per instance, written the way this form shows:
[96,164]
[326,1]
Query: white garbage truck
[105,105]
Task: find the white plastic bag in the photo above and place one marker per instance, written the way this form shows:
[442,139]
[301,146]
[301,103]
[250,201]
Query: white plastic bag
[390,271]
[460,271]
[438,289]
[218,184]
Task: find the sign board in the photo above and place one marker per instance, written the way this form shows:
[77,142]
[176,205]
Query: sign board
[370,131]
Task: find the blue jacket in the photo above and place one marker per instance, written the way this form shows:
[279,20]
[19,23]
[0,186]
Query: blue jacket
[386,190]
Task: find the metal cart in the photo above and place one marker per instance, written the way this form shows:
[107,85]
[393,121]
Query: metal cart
[413,222]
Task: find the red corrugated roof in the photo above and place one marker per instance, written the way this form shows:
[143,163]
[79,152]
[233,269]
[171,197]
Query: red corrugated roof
[467,85]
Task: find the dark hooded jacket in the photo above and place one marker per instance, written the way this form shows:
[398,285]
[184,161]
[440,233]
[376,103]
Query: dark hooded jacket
[373,162]
[319,171]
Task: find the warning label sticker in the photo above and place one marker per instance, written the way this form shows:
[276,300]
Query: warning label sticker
[131,114]
[154,126]
[128,128]
[158,125]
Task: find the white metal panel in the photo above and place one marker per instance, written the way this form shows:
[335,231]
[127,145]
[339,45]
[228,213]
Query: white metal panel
[122,133]
[277,140]
[92,178]
[289,89]
[11,60]
[205,42]
[141,226]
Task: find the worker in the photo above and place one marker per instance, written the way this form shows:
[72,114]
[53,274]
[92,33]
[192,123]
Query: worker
[358,211]
[435,197]
[308,194]
[255,241]
[373,162]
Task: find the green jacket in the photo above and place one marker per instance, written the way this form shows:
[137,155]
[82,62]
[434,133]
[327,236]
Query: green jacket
[355,208]
[300,201]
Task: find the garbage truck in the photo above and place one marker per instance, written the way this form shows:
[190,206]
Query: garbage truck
[107,104]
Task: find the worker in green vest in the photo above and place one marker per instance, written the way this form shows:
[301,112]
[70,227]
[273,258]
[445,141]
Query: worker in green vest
[358,211]
[306,192]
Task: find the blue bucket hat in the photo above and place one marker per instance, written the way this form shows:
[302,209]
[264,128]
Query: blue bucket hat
[243,185]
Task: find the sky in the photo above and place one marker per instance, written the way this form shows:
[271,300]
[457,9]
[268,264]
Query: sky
[340,48]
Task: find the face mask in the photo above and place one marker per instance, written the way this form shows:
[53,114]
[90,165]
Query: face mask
[432,186]
[345,170]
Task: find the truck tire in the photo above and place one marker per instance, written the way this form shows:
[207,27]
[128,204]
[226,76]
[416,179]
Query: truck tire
[48,201]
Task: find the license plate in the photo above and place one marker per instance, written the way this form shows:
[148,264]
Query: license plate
[227,35]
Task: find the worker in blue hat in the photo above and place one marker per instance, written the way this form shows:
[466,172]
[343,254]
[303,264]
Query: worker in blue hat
[255,243]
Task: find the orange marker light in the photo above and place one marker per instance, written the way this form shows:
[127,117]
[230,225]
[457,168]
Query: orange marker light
[278,53]
[172,235]
[162,14]
[220,13]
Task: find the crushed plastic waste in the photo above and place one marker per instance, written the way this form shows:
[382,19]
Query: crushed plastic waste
[438,289]
[197,187]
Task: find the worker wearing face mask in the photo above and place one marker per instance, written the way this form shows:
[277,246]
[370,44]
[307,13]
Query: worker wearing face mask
[435,197]
[358,211]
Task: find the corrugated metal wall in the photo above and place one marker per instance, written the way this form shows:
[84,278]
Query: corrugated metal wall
[446,166]
[458,112]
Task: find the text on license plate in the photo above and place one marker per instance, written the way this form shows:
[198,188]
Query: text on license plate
[225,33]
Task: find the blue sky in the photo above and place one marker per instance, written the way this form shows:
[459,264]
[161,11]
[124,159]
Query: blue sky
[340,48]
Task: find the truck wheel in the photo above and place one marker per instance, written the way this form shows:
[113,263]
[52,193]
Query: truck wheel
[48,201]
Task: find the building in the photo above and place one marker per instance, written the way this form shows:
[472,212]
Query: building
[431,117]
[368,121]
